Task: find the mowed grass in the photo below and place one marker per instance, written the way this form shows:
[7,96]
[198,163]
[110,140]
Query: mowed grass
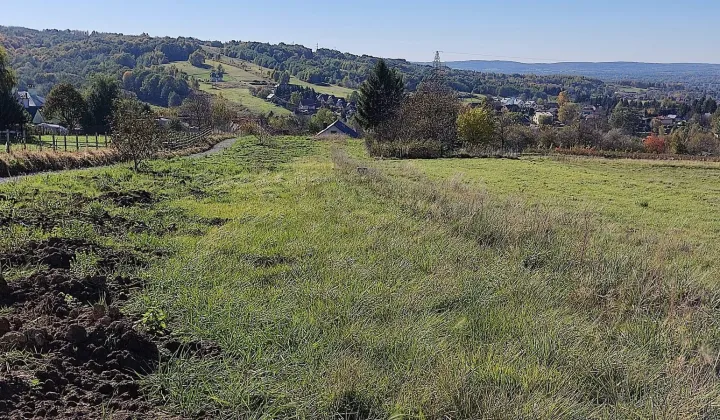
[236,85]
[392,293]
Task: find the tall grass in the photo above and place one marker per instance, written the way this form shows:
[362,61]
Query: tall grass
[371,291]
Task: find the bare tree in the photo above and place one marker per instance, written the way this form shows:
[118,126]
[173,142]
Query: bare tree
[136,134]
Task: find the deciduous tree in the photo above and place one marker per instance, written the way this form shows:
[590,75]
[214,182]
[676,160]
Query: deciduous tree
[136,134]
[197,59]
[66,104]
[476,126]
[101,96]
[569,113]
[11,113]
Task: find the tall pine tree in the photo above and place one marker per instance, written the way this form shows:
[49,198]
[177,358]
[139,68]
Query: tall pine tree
[380,96]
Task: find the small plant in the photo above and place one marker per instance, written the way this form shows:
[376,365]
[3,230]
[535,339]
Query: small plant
[96,212]
[70,300]
[154,321]
[84,264]
[643,203]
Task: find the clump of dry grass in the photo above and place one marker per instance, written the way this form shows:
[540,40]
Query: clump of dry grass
[25,162]
[28,162]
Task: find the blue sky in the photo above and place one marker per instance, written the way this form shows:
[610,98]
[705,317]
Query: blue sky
[519,30]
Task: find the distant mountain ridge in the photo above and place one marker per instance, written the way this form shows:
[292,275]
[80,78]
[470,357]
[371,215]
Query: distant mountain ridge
[608,71]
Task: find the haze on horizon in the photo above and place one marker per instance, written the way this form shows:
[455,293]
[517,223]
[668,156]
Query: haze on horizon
[657,31]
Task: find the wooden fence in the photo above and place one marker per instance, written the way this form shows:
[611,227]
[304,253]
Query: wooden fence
[78,142]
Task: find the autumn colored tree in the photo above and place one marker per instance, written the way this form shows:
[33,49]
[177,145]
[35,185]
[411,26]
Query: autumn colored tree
[654,144]
[563,98]
[569,113]
[476,126]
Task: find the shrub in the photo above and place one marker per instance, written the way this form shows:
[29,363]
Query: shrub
[419,149]
[654,144]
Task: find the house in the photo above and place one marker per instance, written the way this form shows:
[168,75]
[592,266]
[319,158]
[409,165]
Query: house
[338,128]
[667,120]
[307,106]
[539,116]
[32,104]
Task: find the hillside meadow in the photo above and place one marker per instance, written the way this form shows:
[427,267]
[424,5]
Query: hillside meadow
[337,286]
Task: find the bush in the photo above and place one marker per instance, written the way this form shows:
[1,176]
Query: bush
[419,149]
[654,144]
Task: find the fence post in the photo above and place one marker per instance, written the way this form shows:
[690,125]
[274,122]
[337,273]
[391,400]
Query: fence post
[97,144]
[65,141]
[77,143]
[105,139]
[54,143]
[86,141]
[7,140]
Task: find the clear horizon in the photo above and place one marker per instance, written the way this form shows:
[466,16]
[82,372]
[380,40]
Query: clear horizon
[526,32]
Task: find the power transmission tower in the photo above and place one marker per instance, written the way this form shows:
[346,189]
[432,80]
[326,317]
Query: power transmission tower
[437,64]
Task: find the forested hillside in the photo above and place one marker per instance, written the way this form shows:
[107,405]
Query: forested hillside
[349,70]
[43,58]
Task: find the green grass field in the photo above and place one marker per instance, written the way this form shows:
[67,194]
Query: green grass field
[62,143]
[482,288]
[237,82]
[236,87]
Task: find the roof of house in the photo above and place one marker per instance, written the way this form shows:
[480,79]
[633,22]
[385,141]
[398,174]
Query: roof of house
[33,99]
[340,126]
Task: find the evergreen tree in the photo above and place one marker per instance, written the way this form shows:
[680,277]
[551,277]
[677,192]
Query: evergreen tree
[380,96]
[101,95]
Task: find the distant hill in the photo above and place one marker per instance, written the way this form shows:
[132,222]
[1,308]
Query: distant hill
[607,71]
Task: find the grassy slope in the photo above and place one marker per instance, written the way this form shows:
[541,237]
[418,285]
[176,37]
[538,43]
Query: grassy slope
[332,293]
[236,85]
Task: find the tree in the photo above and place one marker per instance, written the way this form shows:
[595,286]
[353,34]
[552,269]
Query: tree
[197,59]
[569,113]
[430,114]
[625,119]
[11,112]
[136,134]
[503,123]
[380,96]
[66,104]
[476,126]
[563,98]
[198,108]
[545,120]
[323,118]
[295,98]
[223,112]
[220,70]
[101,96]
[284,78]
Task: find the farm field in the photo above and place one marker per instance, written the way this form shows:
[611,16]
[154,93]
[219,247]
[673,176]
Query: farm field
[413,289]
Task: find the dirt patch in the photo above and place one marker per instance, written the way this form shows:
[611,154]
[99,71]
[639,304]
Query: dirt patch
[59,253]
[129,198]
[82,357]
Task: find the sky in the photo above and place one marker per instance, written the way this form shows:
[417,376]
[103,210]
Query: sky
[518,30]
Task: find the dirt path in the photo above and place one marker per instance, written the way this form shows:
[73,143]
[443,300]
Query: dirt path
[215,149]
